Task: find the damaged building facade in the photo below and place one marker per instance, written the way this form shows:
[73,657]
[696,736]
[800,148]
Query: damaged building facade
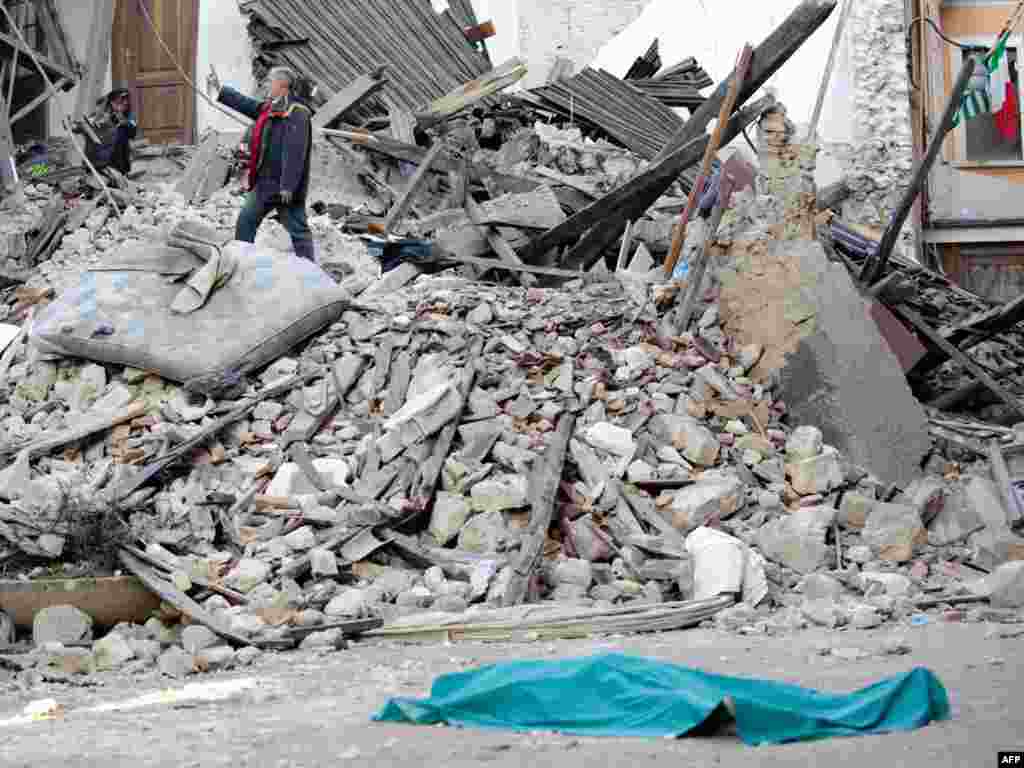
[971,222]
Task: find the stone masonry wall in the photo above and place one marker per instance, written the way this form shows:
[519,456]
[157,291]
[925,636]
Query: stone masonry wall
[879,162]
[571,29]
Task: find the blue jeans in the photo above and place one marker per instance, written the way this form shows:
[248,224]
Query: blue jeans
[292,218]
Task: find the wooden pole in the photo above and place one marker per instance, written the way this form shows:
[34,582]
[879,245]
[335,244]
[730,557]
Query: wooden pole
[728,104]
[826,78]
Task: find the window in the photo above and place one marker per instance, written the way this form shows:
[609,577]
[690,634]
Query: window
[987,137]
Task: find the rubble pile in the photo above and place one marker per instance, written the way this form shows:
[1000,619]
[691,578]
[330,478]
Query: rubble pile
[446,449]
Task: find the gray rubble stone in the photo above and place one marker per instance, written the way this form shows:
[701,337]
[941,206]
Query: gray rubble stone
[574,571]
[448,516]
[1007,585]
[351,603]
[247,575]
[855,510]
[244,657]
[805,443]
[719,496]
[798,540]
[865,617]
[611,439]
[816,475]
[176,663]
[323,562]
[485,533]
[821,585]
[301,539]
[509,492]
[893,531]
[892,584]
[451,604]
[216,657]
[61,624]
[698,444]
[825,613]
[196,637]
[844,378]
[112,651]
[326,639]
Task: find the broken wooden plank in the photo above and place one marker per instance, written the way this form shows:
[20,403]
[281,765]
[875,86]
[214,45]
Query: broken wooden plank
[544,490]
[470,93]
[422,494]
[401,206]
[173,596]
[975,370]
[974,331]
[349,97]
[695,280]
[88,426]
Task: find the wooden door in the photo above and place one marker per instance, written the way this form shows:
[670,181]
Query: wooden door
[165,105]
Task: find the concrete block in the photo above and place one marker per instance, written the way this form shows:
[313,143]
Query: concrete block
[843,377]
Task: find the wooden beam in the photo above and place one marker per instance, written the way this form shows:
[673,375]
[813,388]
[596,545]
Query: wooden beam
[544,486]
[768,58]
[470,93]
[679,236]
[498,243]
[874,267]
[43,97]
[9,46]
[349,97]
[100,33]
[401,206]
[976,370]
[478,261]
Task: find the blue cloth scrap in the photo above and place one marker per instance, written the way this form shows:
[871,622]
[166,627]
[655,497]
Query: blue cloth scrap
[619,695]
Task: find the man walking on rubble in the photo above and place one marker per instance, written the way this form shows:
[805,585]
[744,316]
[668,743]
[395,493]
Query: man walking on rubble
[279,151]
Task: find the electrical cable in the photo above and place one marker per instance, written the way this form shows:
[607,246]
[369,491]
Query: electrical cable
[56,97]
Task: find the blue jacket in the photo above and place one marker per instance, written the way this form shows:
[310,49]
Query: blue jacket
[283,160]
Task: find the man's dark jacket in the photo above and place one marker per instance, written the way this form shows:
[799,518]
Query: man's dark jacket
[283,160]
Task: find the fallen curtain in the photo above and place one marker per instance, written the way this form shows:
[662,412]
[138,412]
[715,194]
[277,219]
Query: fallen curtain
[617,695]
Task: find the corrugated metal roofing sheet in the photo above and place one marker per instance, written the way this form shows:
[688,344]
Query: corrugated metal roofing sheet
[332,42]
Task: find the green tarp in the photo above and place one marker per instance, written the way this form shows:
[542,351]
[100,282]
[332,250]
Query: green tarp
[616,695]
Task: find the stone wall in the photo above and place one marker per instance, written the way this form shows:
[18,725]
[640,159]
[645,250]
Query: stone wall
[571,29]
[878,156]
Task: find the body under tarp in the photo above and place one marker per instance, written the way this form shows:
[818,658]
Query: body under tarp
[618,695]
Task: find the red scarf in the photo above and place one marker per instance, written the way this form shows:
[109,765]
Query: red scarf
[256,144]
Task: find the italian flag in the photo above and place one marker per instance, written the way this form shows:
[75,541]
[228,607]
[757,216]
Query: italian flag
[992,92]
[1003,93]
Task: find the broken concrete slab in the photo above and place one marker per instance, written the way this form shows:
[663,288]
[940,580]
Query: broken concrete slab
[842,376]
